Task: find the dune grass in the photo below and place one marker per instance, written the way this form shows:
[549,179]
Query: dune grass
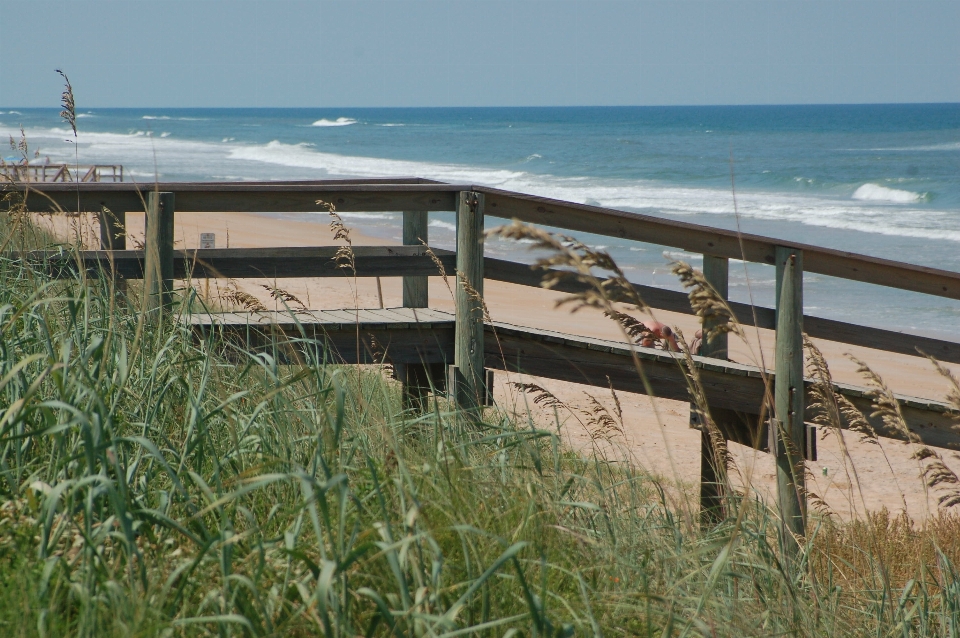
[155,485]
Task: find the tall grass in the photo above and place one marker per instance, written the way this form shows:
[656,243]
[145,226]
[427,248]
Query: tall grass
[155,484]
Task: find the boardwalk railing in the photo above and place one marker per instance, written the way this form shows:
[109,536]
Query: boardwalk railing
[737,391]
[50,173]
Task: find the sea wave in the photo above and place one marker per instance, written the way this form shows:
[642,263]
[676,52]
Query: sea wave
[437,223]
[946,146]
[340,121]
[178,119]
[188,159]
[877,193]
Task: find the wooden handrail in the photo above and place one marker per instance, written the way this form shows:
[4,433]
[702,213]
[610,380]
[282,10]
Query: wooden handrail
[412,261]
[417,194]
[718,242]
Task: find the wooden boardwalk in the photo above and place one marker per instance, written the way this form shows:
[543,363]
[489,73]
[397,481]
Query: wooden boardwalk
[744,401]
[426,336]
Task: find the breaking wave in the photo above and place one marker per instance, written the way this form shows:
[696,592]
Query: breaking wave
[340,121]
[877,193]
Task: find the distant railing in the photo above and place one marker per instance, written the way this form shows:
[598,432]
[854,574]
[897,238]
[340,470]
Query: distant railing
[52,173]
[159,264]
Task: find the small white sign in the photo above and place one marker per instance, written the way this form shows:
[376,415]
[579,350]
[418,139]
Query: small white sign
[208,240]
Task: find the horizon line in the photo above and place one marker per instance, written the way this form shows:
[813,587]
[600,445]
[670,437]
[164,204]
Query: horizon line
[526,106]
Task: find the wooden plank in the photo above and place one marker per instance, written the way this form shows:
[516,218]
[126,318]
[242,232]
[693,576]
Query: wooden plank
[398,342]
[415,233]
[712,463]
[722,243]
[357,197]
[158,266]
[789,398]
[817,327]
[416,379]
[468,356]
[727,385]
[269,197]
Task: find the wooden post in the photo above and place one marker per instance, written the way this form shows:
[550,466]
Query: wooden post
[415,227]
[716,272]
[790,431]
[468,349]
[158,258]
[415,378]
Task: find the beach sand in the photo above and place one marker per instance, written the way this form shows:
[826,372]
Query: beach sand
[655,432]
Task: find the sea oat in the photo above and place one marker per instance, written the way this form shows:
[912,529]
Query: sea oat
[570,259]
[600,423]
[541,396]
[474,294]
[69,112]
[706,302]
[439,264]
[243,299]
[934,470]
[344,256]
[283,296]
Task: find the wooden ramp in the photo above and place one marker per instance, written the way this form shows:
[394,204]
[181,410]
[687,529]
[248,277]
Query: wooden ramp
[415,336]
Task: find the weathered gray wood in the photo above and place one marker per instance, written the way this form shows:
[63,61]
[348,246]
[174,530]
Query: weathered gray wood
[789,396]
[468,356]
[113,229]
[734,391]
[279,263]
[370,261]
[373,195]
[113,236]
[336,342]
[727,385]
[350,196]
[714,345]
[417,379]
[716,272]
[722,243]
[415,233]
[158,255]
[816,327]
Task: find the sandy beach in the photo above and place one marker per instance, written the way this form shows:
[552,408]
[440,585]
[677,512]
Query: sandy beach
[655,432]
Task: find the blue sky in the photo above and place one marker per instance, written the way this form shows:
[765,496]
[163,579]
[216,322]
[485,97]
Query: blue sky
[276,53]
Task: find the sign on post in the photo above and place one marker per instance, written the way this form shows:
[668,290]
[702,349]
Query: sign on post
[208,240]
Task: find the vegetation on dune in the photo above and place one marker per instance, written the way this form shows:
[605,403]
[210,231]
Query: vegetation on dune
[152,484]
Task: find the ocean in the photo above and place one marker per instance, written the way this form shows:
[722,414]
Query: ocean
[881,180]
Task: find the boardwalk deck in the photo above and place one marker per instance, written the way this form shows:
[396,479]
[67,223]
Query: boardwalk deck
[424,335]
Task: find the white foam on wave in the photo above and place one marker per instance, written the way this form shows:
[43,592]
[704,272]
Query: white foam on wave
[946,146]
[178,119]
[276,160]
[391,125]
[877,193]
[340,121]
[637,195]
[363,216]
[436,223]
